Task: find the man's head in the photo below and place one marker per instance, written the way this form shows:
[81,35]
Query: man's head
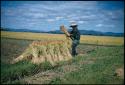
[73,25]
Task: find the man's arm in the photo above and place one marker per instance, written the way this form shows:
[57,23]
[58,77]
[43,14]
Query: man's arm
[71,36]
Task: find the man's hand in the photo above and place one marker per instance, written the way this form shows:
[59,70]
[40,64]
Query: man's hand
[69,35]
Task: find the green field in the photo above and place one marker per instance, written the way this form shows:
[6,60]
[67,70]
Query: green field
[95,64]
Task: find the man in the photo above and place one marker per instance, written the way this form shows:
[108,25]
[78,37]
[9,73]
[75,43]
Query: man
[75,36]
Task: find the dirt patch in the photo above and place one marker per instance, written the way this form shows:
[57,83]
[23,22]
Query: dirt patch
[85,49]
[119,72]
[88,61]
[40,78]
[69,68]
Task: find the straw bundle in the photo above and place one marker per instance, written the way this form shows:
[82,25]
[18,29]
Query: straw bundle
[41,51]
[68,39]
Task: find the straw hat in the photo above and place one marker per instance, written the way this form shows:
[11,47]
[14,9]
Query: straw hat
[73,24]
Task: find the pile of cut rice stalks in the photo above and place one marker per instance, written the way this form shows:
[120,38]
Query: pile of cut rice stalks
[42,51]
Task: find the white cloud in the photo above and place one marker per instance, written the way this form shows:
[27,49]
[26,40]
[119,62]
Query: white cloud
[88,16]
[50,20]
[72,21]
[81,22]
[36,15]
[99,25]
[58,18]
[105,25]
[109,25]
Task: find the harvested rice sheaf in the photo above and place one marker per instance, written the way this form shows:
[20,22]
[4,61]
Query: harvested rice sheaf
[42,51]
[68,39]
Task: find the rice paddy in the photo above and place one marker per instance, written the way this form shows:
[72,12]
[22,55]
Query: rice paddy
[86,39]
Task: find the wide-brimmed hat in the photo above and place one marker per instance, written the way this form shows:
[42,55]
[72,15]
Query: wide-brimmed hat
[73,24]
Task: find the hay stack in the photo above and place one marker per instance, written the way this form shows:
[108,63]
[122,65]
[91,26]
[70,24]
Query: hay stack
[41,51]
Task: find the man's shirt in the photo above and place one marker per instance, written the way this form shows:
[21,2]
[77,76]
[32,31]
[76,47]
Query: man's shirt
[75,35]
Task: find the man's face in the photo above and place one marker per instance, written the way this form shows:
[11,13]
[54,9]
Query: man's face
[73,27]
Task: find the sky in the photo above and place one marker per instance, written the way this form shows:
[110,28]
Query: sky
[104,16]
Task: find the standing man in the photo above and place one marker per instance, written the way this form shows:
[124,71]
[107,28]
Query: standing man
[75,36]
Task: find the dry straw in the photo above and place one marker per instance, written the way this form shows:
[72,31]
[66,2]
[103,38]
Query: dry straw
[41,51]
[68,39]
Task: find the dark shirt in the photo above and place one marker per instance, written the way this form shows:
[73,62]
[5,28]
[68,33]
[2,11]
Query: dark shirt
[75,34]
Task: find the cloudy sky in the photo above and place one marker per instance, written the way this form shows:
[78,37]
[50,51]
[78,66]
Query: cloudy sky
[105,16]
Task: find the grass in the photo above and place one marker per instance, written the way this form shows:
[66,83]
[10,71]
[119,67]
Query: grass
[96,66]
[14,72]
[86,39]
